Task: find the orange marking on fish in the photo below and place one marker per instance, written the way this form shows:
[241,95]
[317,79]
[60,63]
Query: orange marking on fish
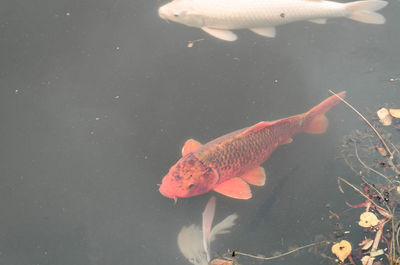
[221,262]
[228,163]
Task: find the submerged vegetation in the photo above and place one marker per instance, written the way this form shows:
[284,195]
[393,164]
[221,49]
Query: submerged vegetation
[373,155]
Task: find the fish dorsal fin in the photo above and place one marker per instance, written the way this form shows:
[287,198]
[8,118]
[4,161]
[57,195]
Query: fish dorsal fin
[255,176]
[234,188]
[222,34]
[259,126]
[190,146]
[269,32]
[318,20]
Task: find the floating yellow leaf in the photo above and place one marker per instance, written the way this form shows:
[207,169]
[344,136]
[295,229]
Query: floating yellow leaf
[381,150]
[368,219]
[342,249]
[395,112]
[364,260]
[384,116]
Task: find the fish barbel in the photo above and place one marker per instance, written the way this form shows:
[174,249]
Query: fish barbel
[229,163]
[219,17]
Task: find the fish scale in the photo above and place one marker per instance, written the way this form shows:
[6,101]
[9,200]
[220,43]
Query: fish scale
[233,157]
[256,13]
[261,16]
[231,162]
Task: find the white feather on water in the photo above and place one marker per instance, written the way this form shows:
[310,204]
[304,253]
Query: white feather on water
[223,226]
[190,243]
[194,242]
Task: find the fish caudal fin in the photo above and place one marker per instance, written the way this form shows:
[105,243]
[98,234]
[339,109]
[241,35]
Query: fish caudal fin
[315,120]
[364,11]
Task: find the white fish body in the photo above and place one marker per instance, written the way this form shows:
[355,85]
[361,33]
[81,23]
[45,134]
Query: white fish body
[218,17]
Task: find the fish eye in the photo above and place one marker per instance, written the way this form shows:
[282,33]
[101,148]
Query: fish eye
[191,186]
[176,15]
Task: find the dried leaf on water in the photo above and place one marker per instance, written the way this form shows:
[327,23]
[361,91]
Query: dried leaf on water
[364,260]
[384,116]
[342,249]
[191,43]
[377,253]
[395,113]
[366,243]
[368,219]
[381,151]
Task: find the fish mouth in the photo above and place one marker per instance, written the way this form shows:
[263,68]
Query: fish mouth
[165,193]
[163,14]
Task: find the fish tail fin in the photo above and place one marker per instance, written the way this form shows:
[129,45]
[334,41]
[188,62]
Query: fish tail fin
[315,121]
[364,11]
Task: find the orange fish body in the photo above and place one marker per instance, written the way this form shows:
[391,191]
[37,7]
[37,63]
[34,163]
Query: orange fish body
[229,163]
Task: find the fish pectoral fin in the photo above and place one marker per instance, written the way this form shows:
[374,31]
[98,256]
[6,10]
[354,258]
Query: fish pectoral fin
[190,146]
[234,188]
[269,32]
[255,176]
[318,20]
[222,34]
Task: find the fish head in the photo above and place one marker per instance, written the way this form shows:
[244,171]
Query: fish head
[181,11]
[188,177]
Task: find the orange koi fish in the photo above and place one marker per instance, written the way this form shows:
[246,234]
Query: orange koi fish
[229,163]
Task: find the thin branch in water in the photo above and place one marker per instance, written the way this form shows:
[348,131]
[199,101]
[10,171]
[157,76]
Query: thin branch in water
[369,168]
[379,209]
[365,119]
[283,254]
[377,239]
[362,194]
[390,157]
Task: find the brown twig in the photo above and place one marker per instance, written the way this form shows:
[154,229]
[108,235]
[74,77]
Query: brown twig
[378,236]
[283,254]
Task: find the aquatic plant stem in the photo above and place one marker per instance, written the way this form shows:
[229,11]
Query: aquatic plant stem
[390,158]
[283,254]
[362,194]
[378,236]
[351,260]
[369,168]
[365,119]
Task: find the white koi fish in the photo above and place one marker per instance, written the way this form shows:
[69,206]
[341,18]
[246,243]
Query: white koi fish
[219,17]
